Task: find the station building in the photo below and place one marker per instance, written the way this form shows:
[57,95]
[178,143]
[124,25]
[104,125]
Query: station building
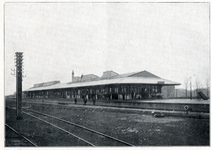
[111,85]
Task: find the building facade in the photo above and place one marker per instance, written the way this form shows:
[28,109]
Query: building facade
[111,85]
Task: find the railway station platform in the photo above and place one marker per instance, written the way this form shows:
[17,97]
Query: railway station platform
[193,105]
[171,107]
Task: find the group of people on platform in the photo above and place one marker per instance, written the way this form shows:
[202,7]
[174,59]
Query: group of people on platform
[94,97]
[109,96]
[85,99]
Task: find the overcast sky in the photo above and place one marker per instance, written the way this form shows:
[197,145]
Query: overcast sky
[170,40]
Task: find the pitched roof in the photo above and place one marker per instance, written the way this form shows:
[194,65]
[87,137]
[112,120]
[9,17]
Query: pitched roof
[109,75]
[45,84]
[138,74]
[76,79]
[144,74]
[84,78]
[142,77]
[128,80]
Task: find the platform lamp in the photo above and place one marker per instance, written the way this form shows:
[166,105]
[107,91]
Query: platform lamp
[19,69]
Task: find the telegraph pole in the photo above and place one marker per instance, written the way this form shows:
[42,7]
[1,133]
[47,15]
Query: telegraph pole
[19,61]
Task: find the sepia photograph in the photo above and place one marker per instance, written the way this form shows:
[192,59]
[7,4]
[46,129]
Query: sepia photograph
[106,74]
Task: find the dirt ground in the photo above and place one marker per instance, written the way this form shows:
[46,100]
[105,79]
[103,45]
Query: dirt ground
[137,129]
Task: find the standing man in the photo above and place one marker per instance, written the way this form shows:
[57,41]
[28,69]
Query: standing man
[75,100]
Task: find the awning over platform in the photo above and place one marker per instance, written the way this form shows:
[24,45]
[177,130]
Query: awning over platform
[127,80]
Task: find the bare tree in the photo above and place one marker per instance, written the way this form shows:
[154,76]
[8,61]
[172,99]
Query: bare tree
[197,83]
[186,82]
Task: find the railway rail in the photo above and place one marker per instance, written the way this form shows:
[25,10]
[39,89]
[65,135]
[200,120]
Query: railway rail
[105,139]
[60,128]
[22,136]
[87,135]
[106,120]
[82,127]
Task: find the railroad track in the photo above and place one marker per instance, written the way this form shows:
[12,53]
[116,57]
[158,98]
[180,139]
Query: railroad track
[21,136]
[78,131]
[89,136]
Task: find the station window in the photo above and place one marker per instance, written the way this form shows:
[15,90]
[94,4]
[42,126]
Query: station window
[116,90]
[134,89]
[125,89]
[154,89]
[105,90]
[159,89]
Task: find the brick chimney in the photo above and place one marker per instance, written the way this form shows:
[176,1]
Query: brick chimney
[72,75]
